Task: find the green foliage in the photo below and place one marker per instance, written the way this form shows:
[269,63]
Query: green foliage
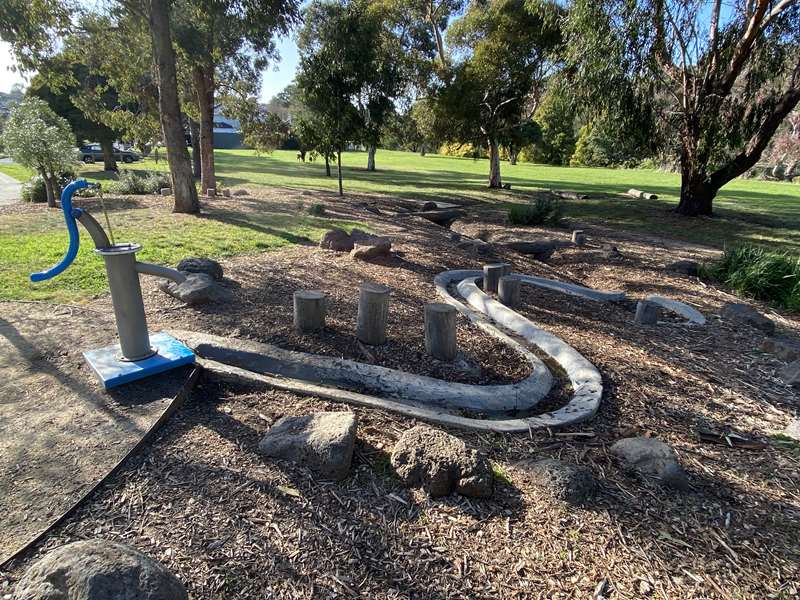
[35,137]
[34,190]
[316,210]
[462,150]
[555,117]
[544,210]
[263,131]
[759,273]
[140,182]
[610,142]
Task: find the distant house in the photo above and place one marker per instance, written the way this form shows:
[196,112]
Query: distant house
[227,132]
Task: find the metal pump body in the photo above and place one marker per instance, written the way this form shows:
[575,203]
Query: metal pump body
[122,269]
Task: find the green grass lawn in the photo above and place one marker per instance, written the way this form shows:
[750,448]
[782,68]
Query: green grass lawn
[36,243]
[747,210]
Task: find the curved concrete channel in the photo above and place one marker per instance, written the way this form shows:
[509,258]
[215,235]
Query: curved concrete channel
[425,397]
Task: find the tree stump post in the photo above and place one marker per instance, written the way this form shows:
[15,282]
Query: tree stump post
[373,309]
[579,237]
[646,313]
[309,310]
[508,290]
[440,331]
[492,274]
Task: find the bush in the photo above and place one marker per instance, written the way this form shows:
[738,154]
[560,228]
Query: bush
[140,182]
[759,273]
[545,210]
[34,190]
[316,210]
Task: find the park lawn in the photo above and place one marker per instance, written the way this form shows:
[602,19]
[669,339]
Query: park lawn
[30,243]
[16,171]
[746,210]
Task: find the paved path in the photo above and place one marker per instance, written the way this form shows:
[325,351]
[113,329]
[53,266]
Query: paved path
[10,190]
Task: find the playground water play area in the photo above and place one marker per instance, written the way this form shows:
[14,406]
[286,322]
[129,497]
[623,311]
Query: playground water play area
[433,405]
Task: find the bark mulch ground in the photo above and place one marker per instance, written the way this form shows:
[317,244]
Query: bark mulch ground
[232,525]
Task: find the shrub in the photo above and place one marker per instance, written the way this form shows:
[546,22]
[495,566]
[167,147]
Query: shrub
[759,273]
[317,210]
[545,210]
[34,190]
[140,182]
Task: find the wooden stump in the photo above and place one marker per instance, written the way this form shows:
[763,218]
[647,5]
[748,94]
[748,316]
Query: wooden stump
[579,237]
[373,308]
[440,331]
[309,310]
[646,313]
[508,290]
[492,274]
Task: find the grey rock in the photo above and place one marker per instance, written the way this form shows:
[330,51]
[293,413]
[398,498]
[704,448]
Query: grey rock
[430,206]
[374,249]
[651,458]
[478,247]
[791,374]
[747,315]
[323,442]
[441,464]
[646,313]
[98,570]
[166,191]
[241,193]
[793,430]
[226,192]
[201,265]
[198,288]
[560,480]
[684,267]
[542,250]
[784,348]
[337,240]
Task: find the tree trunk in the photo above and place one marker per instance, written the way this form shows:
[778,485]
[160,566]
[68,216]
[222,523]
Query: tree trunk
[512,155]
[494,165]
[339,164]
[204,86]
[48,188]
[437,35]
[169,109]
[697,193]
[422,150]
[194,132]
[109,162]
[327,166]
[371,149]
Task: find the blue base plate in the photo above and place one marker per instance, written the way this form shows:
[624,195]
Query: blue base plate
[113,372]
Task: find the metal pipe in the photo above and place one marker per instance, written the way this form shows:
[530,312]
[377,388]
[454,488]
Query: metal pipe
[126,296]
[95,230]
[159,271]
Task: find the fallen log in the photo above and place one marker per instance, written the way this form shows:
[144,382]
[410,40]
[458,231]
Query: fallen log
[569,195]
[634,193]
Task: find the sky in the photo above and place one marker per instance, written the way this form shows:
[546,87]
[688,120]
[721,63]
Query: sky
[274,79]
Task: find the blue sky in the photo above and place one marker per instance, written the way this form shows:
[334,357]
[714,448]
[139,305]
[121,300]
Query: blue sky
[274,79]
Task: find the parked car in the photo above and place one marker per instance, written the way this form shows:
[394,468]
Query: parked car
[94,153]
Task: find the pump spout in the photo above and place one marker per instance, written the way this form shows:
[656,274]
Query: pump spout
[159,271]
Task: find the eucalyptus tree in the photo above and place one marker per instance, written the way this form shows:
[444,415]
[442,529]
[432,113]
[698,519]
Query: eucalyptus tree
[722,77]
[224,41]
[345,79]
[494,90]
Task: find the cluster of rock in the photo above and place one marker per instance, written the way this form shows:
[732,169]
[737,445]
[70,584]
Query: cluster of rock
[202,282]
[360,245]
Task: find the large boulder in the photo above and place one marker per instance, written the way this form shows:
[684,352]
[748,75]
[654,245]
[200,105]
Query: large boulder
[441,464]
[201,265]
[323,442]
[793,430]
[98,570]
[791,374]
[651,458]
[560,480]
[368,250]
[784,348]
[747,315]
[336,239]
[198,288]
[541,250]
[684,267]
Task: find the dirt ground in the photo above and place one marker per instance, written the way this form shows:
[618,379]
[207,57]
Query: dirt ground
[232,525]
